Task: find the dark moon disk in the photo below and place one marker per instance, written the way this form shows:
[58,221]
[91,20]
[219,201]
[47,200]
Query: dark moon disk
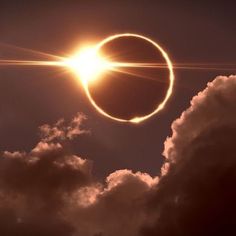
[131,92]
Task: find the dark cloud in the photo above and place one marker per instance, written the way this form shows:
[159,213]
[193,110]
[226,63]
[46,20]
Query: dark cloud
[44,171]
[34,185]
[50,191]
[196,195]
[115,208]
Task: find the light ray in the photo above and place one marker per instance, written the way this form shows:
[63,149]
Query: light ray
[33,52]
[89,68]
[197,66]
[120,70]
[169,90]
[31,63]
[117,66]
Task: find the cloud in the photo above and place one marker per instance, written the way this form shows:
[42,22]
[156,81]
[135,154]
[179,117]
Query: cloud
[33,186]
[116,208]
[213,107]
[196,194]
[50,191]
[45,170]
[61,131]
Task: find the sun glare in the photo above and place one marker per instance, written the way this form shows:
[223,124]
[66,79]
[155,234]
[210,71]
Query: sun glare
[88,64]
[113,66]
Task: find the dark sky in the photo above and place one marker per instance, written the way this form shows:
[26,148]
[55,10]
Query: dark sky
[191,32]
[62,174]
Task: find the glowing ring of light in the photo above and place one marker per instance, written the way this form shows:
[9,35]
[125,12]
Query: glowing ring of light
[169,90]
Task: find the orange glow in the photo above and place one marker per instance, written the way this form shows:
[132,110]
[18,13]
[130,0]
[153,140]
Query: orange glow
[88,64]
[100,66]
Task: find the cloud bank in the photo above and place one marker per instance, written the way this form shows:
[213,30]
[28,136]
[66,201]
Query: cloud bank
[50,191]
[196,194]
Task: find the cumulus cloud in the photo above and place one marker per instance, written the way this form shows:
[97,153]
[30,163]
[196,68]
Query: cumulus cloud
[116,208]
[32,189]
[196,194]
[213,107]
[50,191]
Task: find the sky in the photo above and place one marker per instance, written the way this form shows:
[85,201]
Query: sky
[67,170]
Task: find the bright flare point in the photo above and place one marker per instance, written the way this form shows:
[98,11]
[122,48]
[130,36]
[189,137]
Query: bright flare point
[88,64]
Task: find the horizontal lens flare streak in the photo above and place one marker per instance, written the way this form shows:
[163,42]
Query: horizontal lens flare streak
[89,65]
[29,51]
[113,66]
[30,63]
[123,71]
[186,66]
